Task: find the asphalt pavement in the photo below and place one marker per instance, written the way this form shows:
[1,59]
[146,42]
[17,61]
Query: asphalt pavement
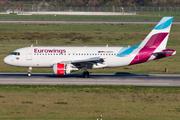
[94,79]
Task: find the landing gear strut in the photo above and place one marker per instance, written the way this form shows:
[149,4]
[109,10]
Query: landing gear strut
[86,74]
[29,72]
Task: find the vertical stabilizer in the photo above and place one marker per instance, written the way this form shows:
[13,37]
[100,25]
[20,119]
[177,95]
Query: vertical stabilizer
[158,37]
[154,45]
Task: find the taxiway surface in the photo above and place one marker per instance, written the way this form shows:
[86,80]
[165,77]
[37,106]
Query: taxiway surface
[94,79]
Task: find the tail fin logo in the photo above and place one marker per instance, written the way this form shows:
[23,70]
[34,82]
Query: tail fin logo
[155,40]
[164,23]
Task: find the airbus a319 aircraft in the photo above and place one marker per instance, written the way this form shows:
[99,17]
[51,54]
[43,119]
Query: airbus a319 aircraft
[65,60]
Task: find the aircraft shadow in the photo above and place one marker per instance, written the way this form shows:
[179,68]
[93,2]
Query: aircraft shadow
[118,75]
[74,75]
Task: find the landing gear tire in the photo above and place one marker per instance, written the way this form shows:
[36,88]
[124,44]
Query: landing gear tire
[86,74]
[29,74]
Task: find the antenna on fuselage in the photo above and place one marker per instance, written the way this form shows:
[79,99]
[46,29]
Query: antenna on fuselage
[32,45]
[107,45]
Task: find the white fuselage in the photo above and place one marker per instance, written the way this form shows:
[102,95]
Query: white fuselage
[47,56]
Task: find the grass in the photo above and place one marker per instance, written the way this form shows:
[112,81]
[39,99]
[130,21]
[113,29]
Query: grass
[14,36]
[89,102]
[140,16]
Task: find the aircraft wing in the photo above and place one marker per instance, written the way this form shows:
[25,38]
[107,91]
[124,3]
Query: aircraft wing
[93,59]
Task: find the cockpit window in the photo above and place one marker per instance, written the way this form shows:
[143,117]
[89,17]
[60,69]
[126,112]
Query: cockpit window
[15,53]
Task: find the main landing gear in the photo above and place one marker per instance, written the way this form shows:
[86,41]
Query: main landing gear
[86,74]
[29,72]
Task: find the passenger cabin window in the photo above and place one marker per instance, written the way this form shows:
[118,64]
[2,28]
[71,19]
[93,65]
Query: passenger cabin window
[15,53]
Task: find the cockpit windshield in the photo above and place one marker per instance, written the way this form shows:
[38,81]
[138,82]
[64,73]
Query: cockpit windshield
[15,53]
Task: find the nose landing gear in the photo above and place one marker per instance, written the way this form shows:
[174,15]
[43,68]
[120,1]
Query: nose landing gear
[29,72]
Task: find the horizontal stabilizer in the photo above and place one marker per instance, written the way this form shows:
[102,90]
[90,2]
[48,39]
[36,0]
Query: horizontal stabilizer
[164,53]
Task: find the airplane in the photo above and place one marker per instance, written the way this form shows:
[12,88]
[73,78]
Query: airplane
[65,60]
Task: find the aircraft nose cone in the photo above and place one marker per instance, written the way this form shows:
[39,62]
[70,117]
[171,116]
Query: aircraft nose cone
[7,60]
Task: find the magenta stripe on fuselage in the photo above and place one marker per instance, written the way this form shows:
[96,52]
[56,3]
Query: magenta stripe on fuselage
[146,52]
